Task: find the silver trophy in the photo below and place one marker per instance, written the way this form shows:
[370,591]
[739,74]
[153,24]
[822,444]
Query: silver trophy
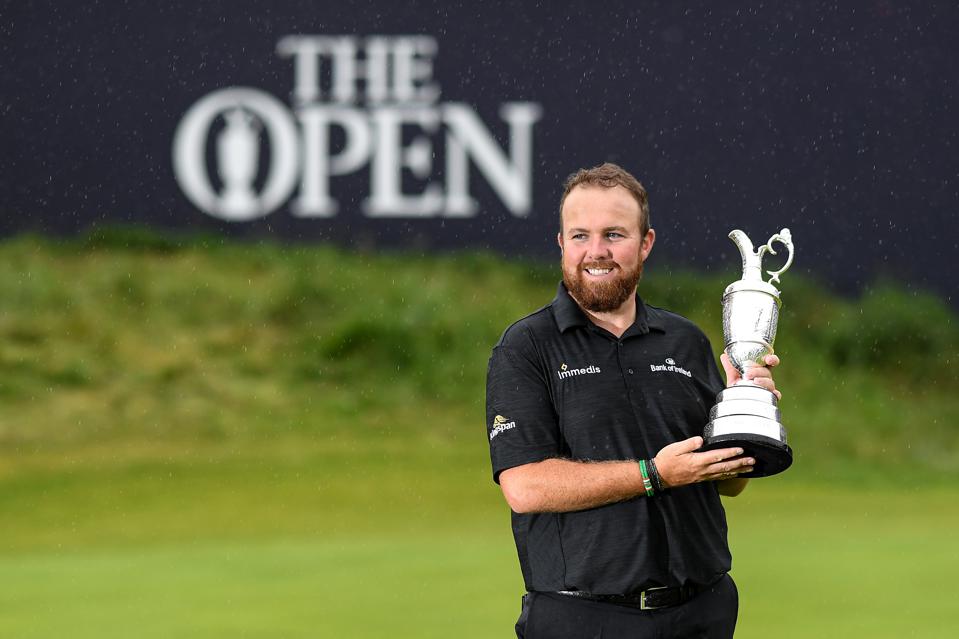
[747,415]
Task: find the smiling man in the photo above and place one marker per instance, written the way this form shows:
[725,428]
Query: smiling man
[594,408]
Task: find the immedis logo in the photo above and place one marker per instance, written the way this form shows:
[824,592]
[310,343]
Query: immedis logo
[371,103]
[565,371]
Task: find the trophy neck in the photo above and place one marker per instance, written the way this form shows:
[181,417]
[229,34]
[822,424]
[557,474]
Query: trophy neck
[752,272]
[753,285]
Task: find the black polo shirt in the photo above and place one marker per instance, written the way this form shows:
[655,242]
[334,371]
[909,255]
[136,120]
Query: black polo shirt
[560,386]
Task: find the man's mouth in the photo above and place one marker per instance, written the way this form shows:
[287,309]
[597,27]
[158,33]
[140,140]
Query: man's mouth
[599,269]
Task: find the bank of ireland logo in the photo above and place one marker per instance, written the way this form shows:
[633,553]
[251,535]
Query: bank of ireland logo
[669,367]
[251,118]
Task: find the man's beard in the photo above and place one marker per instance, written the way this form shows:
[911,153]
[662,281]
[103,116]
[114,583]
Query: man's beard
[601,296]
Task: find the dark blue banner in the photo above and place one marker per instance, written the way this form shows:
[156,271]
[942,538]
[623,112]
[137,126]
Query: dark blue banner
[452,124]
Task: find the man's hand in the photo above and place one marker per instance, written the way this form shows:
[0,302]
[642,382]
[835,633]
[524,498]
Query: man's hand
[678,464]
[761,375]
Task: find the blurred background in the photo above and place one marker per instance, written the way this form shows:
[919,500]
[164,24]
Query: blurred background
[255,256]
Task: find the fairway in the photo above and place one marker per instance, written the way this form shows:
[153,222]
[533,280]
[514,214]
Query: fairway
[809,561]
[826,562]
[376,587]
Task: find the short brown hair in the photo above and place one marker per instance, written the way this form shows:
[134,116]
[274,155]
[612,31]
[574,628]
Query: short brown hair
[607,176]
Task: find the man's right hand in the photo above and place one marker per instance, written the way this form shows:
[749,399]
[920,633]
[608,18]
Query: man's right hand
[678,464]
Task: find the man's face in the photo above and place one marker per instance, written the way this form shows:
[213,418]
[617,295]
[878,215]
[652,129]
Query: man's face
[603,248]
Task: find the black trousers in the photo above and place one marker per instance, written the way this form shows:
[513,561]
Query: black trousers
[709,615]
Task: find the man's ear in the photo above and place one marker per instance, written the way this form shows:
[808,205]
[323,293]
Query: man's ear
[559,240]
[646,246]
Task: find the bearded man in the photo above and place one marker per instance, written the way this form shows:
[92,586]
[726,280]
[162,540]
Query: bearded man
[594,408]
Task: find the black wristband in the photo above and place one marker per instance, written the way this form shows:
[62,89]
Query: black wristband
[654,477]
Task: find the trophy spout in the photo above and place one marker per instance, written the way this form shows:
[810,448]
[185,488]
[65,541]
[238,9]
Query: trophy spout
[752,260]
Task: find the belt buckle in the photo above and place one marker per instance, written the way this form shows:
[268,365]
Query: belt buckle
[642,598]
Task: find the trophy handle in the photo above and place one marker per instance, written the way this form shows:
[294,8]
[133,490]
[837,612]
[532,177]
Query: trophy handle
[785,238]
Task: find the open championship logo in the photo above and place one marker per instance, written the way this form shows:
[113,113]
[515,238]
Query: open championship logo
[327,134]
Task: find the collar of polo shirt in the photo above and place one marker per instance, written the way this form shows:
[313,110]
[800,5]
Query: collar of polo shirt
[568,314]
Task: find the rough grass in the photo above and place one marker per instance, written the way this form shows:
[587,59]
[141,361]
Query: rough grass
[148,340]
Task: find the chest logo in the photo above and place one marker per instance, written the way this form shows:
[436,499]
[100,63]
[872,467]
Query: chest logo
[669,367]
[565,371]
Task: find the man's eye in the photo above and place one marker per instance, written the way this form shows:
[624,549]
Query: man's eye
[613,234]
[579,236]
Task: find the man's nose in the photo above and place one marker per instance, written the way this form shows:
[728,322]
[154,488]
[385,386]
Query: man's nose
[598,249]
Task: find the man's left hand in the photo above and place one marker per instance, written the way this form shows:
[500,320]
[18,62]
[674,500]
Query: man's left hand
[761,375]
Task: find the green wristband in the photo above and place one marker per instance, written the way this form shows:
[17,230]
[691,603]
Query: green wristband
[647,482]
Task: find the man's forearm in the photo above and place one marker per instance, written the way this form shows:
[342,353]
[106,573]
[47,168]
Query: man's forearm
[563,485]
[732,487]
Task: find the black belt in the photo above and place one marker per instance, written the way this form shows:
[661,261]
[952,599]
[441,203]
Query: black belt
[649,599]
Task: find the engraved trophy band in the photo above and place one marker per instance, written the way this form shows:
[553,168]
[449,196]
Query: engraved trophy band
[746,415]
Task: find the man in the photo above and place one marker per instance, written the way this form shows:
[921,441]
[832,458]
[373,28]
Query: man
[594,405]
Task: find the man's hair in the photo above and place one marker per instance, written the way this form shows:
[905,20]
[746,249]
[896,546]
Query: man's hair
[607,176]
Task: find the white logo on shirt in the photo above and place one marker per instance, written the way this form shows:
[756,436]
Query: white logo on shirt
[500,424]
[669,367]
[565,371]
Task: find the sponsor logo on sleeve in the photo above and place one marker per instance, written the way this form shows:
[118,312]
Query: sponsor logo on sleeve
[500,424]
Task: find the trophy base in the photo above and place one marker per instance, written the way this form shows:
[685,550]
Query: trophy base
[772,456]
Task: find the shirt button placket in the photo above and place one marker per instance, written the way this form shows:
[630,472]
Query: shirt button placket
[619,351]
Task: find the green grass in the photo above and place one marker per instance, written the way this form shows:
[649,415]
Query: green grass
[867,563]
[201,438]
[424,587]
[838,562]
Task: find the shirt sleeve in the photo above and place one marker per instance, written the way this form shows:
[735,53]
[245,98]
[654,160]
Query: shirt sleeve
[521,423]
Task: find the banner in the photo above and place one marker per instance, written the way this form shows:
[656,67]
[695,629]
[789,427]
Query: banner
[450,125]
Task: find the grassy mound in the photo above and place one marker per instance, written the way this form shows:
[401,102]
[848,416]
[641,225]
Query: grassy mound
[167,346]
